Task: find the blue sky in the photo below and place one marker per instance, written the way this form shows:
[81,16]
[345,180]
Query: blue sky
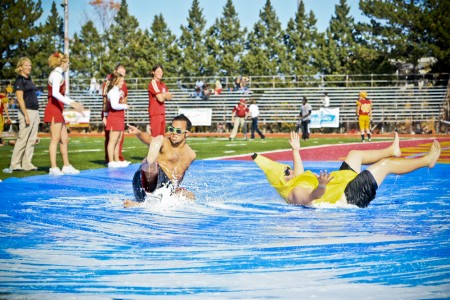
[175,12]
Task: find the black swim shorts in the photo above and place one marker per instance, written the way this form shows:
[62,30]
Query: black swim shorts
[362,189]
[141,186]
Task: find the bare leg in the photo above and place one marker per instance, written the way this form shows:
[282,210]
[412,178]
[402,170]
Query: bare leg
[113,153]
[55,131]
[404,165]
[356,158]
[63,146]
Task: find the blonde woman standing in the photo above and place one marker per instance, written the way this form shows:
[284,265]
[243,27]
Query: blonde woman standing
[28,115]
[115,121]
[54,113]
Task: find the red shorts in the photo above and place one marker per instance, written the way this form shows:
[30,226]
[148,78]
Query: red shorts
[158,125]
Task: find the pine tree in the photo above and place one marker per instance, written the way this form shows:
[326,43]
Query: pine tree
[409,30]
[266,51]
[124,37]
[86,51]
[192,43]
[342,29]
[164,48]
[301,42]
[224,41]
[18,29]
[49,40]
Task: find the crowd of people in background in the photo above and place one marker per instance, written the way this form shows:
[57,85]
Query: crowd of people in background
[23,95]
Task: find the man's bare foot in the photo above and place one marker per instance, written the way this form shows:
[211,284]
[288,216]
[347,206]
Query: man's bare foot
[433,155]
[129,203]
[396,151]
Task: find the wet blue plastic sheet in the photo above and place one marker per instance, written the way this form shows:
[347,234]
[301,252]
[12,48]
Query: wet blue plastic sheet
[70,236]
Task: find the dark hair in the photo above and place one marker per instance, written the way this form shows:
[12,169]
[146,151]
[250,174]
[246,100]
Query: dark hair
[185,119]
[156,67]
[119,65]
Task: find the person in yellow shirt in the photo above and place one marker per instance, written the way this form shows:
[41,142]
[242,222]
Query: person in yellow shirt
[3,107]
[348,185]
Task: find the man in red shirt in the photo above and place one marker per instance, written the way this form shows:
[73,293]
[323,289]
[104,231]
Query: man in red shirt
[238,116]
[124,100]
[158,94]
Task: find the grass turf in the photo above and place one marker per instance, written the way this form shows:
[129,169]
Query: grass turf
[86,152]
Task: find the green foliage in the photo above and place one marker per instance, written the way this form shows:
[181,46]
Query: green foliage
[192,44]
[86,51]
[398,30]
[224,42]
[18,29]
[301,40]
[409,30]
[266,54]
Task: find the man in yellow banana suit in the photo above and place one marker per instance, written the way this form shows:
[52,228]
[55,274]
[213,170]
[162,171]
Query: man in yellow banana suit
[348,185]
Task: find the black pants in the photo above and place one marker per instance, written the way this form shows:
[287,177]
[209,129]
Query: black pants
[255,128]
[305,129]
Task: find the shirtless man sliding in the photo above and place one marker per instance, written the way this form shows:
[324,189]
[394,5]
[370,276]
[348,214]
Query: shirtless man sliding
[166,163]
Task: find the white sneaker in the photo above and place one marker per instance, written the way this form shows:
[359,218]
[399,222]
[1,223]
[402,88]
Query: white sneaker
[7,170]
[126,162]
[55,171]
[69,170]
[114,164]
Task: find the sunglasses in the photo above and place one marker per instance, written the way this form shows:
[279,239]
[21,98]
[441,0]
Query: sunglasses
[176,130]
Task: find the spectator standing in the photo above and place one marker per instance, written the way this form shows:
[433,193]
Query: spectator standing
[28,115]
[325,100]
[158,94]
[305,118]
[218,87]
[92,85]
[115,122]
[364,114]
[238,116]
[120,69]
[254,114]
[54,113]
[3,107]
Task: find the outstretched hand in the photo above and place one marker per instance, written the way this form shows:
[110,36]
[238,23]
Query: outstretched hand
[77,106]
[295,141]
[324,178]
[133,130]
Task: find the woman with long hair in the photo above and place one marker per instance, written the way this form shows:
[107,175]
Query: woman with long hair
[115,120]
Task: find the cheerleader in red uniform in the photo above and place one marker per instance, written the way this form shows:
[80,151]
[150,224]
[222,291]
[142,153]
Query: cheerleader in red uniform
[115,120]
[54,113]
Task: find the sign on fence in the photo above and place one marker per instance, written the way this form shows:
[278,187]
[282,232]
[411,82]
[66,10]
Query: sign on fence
[198,116]
[76,119]
[325,117]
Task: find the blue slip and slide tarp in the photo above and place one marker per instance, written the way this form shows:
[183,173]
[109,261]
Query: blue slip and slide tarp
[69,236]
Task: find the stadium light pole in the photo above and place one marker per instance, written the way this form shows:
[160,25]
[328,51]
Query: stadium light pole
[66,39]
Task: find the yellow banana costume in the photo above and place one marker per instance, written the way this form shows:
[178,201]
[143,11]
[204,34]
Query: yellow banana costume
[275,173]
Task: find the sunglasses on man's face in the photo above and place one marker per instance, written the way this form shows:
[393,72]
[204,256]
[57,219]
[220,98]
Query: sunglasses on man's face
[176,130]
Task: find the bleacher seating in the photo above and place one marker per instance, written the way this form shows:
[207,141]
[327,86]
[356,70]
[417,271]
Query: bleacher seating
[281,105]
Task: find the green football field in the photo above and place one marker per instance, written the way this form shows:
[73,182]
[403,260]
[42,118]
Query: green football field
[87,152]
